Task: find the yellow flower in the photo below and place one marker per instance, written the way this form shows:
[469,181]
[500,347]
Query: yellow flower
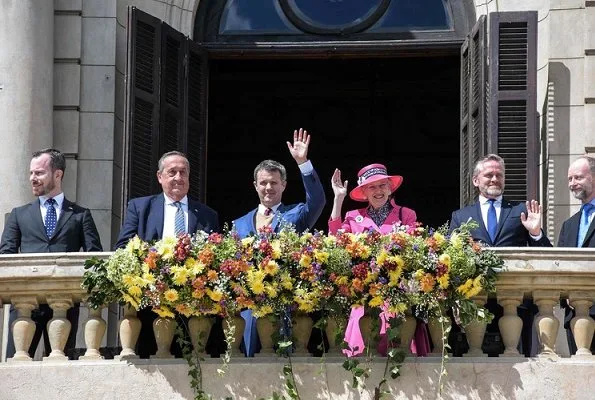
[257,287]
[394,277]
[456,241]
[180,275]
[171,295]
[381,257]
[276,245]
[166,246]
[190,263]
[286,282]
[445,259]
[271,268]
[215,295]
[465,287]
[365,252]
[148,279]
[134,291]
[198,268]
[320,256]
[134,244]
[418,274]
[398,308]
[376,301]
[330,240]
[184,310]
[128,280]
[271,291]
[305,260]
[443,281]
[305,305]
[128,299]
[342,280]
[164,312]
[439,238]
[263,311]
[397,260]
[247,242]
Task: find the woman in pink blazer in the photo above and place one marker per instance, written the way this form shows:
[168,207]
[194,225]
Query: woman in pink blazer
[382,214]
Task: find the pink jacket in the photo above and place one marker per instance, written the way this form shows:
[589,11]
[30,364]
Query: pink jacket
[357,221]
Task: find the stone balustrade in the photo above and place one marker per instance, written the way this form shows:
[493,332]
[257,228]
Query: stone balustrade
[544,274]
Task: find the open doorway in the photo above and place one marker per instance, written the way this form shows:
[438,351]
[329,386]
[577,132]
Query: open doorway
[403,112]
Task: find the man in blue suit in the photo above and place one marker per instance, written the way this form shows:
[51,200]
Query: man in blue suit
[270,180]
[502,223]
[165,214]
[579,229]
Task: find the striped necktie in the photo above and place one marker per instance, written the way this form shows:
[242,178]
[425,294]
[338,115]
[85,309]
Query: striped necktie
[180,220]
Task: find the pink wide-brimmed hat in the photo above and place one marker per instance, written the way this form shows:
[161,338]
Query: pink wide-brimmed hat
[373,173]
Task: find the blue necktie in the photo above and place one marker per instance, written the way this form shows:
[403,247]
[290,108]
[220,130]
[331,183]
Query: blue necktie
[50,217]
[180,221]
[584,225]
[492,220]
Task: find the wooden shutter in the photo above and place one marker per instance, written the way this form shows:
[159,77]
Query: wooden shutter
[143,103]
[167,77]
[512,119]
[196,118]
[173,53]
[473,143]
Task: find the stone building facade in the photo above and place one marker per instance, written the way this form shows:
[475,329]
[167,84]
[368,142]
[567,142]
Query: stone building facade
[63,84]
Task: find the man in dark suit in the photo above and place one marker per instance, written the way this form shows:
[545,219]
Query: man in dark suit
[502,223]
[270,180]
[166,214]
[49,224]
[579,230]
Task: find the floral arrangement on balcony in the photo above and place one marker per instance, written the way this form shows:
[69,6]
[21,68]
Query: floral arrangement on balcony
[413,268]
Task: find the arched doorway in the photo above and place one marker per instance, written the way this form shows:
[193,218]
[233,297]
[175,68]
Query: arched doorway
[379,86]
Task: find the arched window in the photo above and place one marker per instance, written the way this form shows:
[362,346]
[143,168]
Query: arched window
[327,20]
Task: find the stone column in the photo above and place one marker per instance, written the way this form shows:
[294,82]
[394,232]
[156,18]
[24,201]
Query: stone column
[510,324]
[26,92]
[94,331]
[23,327]
[58,327]
[129,331]
[475,332]
[582,324]
[546,322]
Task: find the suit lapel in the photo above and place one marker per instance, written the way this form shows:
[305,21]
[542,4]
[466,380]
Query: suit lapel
[504,213]
[155,218]
[193,224]
[476,216]
[65,215]
[35,217]
[589,232]
[276,218]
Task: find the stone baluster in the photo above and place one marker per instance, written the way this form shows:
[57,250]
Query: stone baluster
[546,322]
[58,327]
[238,334]
[407,332]
[437,330]
[94,331]
[199,328]
[164,329]
[302,328]
[475,332]
[582,325]
[129,331]
[510,324]
[23,328]
[266,329]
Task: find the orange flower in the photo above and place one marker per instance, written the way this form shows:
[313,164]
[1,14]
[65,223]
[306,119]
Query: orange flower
[212,275]
[206,256]
[427,282]
[357,285]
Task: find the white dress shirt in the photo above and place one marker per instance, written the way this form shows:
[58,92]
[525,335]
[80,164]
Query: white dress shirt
[169,215]
[59,198]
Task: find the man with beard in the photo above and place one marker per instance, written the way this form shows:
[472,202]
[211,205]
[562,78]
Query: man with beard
[577,231]
[49,224]
[502,223]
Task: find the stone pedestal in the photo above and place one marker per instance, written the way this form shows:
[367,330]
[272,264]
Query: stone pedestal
[58,327]
[129,331]
[164,329]
[547,324]
[23,328]
[94,331]
[199,328]
[510,324]
[582,325]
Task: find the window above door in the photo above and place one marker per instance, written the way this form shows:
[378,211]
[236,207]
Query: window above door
[249,21]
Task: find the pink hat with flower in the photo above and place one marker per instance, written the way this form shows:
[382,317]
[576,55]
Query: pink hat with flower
[370,174]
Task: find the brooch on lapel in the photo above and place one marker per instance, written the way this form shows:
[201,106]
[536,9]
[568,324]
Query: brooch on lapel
[359,219]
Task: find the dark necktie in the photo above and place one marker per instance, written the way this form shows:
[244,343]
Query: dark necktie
[268,211]
[180,221]
[492,220]
[50,217]
[584,225]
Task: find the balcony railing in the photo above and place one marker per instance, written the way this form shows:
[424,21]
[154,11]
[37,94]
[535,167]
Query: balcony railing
[547,275]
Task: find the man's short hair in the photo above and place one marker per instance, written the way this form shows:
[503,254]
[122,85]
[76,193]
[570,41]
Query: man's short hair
[271,166]
[485,159]
[172,153]
[591,161]
[57,159]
